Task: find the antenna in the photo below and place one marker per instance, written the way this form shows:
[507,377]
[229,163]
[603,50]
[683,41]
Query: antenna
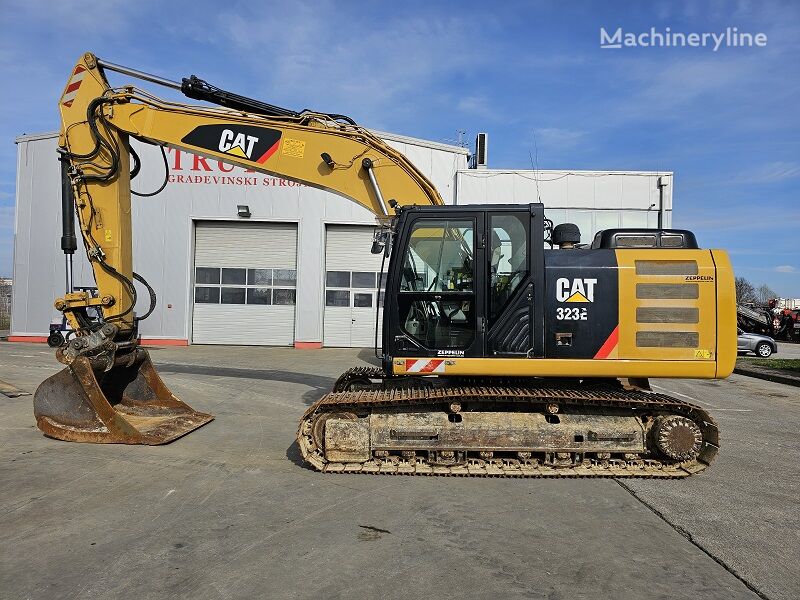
[460,140]
[535,164]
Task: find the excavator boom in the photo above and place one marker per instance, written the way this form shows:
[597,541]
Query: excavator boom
[110,391]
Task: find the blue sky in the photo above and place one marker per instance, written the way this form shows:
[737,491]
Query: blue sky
[727,122]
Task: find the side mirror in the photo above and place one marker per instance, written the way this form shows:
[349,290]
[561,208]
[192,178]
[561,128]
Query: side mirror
[380,240]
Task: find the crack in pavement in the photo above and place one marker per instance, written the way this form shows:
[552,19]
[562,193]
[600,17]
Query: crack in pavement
[680,530]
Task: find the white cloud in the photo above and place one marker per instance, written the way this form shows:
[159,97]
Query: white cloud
[351,65]
[785,269]
[72,16]
[750,217]
[476,105]
[557,139]
[774,171]
[666,88]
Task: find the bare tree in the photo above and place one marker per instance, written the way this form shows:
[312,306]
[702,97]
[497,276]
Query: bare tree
[745,292]
[764,293]
[5,303]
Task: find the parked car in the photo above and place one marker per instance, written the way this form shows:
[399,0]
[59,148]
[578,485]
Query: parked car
[760,345]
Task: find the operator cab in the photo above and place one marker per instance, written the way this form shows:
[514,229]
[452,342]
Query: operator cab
[440,256]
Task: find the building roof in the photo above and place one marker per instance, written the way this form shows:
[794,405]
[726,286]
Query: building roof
[551,174]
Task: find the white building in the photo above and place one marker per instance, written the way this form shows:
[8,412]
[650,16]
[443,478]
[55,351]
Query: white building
[298,270]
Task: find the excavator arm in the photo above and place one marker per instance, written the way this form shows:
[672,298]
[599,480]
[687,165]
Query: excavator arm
[110,391]
[325,151]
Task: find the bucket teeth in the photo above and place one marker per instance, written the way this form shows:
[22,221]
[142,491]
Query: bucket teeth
[127,404]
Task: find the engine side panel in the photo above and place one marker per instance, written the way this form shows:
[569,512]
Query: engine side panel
[631,304]
[581,302]
[669,305]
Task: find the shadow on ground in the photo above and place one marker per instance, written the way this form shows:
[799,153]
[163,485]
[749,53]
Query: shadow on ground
[293,454]
[368,355]
[320,384]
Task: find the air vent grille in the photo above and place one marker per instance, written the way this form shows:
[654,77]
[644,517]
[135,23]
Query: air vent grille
[667,339]
[667,315]
[636,241]
[667,291]
[666,267]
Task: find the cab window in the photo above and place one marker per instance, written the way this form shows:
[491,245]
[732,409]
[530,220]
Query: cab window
[437,295]
[508,259]
[439,256]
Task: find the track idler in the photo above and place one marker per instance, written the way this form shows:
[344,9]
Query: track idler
[127,403]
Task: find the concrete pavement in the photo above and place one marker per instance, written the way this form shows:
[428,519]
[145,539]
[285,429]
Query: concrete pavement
[228,511]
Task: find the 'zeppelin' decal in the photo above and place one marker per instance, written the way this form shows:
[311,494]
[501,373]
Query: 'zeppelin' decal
[256,144]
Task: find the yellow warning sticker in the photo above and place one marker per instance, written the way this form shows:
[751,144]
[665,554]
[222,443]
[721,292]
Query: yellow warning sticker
[108,235]
[701,353]
[293,148]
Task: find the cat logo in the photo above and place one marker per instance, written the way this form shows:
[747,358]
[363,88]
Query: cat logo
[237,144]
[575,290]
[244,142]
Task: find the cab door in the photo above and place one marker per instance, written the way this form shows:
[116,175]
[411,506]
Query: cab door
[439,310]
[510,297]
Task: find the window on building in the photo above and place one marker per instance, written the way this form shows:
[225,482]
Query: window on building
[207,275]
[356,289]
[245,285]
[281,296]
[363,280]
[259,276]
[338,279]
[284,277]
[234,276]
[206,295]
[232,295]
[259,296]
[337,298]
[362,300]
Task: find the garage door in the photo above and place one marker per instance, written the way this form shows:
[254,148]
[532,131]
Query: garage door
[351,287]
[245,277]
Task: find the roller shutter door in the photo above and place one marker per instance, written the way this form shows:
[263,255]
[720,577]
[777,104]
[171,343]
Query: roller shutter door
[245,278]
[351,287]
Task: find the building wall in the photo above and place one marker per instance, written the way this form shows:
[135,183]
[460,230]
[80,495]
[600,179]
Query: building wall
[199,189]
[594,200]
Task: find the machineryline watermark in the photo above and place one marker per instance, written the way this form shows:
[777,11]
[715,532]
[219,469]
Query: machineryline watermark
[731,37]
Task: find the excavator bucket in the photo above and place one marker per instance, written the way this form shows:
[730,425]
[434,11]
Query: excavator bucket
[127,404]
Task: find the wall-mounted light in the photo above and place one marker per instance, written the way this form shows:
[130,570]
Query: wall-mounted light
[243,211]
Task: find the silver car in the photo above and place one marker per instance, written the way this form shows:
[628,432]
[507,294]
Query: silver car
[761,345]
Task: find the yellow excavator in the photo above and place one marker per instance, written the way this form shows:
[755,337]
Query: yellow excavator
[509,348]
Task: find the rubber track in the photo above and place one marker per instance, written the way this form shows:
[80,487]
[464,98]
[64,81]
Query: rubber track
[535,398]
